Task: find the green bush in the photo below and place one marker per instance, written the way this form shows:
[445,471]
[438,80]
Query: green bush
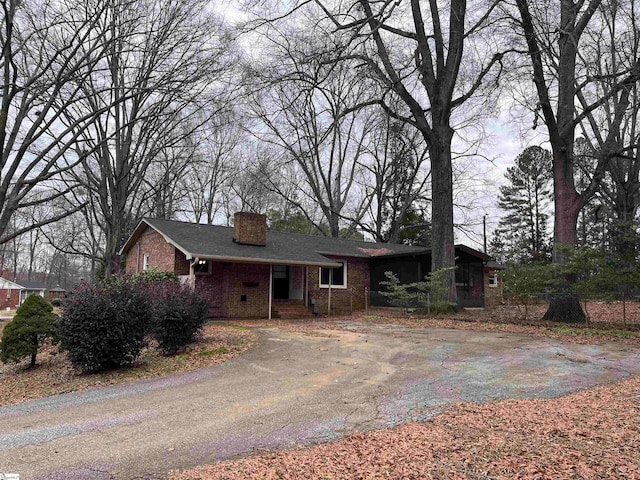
[424,297]
[439,286]
[103,326]
[153,275]
[34,323]
[178,315]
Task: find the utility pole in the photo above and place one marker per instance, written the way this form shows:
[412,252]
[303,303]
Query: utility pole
[484,231]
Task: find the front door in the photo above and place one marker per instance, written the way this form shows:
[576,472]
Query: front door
[281,282]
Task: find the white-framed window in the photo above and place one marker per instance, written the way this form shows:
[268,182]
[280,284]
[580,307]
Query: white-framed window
[493,279]
[145,262]
[202,267]
[336,276]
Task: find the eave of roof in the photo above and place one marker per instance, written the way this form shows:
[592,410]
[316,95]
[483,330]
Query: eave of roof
[216,243]
[268,261]
[33,285]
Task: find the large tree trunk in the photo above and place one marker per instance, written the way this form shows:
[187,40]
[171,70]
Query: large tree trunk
[564,305]
[443,250]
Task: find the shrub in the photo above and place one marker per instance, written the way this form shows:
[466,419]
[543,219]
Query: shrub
[34,323]
[409,295]
[103,326]
[178,315]
[440,291]
[425,297]
[154,275]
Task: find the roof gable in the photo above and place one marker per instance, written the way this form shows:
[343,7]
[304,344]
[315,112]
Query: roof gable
[9,285]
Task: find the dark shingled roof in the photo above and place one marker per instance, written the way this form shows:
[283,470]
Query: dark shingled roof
[33,285]
[216,242]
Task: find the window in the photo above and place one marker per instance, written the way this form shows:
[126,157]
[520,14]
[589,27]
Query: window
[336,276]
[202,267]
[145,262]
[493,280]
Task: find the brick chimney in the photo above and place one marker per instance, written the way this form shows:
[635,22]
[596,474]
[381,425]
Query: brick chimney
[250,228]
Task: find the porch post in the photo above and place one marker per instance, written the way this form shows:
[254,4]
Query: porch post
[192,274]
[270,288]
[306,286]
[329,299]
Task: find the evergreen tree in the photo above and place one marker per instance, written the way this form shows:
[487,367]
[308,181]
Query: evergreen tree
[33,323]
[522,235]
[415,228]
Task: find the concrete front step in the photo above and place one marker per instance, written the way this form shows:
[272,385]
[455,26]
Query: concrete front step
[289,309]
[278,312]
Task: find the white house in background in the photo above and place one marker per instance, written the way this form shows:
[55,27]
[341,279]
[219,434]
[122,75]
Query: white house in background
[32,288]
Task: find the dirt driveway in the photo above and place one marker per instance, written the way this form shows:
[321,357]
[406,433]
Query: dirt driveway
[292,388]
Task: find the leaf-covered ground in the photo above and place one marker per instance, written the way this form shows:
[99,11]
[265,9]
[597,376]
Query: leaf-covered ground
[605,324]
[587,435]
[54,373]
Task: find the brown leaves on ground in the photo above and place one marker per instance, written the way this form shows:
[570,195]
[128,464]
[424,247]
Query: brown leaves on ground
[54,373]
[605,324]
[587,435]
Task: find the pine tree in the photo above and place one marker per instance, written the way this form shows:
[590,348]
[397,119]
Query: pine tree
[522,235]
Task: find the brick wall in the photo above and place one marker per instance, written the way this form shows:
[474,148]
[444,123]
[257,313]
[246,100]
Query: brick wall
[181,263]
[252,281]
[236,289]
[250,228]
[9,298]
[162,255]
[341,299]
[492,295]
[232,289]
[210,287]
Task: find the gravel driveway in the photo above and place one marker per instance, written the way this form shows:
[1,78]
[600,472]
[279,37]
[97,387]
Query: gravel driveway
[291,389]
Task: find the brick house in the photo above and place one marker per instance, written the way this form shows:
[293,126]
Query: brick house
[493,284]
[9,294]
[247,271]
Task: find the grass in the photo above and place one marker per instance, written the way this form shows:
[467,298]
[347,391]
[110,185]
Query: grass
[214,351]
[590,332]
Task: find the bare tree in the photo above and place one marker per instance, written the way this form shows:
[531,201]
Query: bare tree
[301,115]
[44,45]
[611,46]
[560,79]
[215,164]
[78,236]
[419,51]
[160,71]
[397,178]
